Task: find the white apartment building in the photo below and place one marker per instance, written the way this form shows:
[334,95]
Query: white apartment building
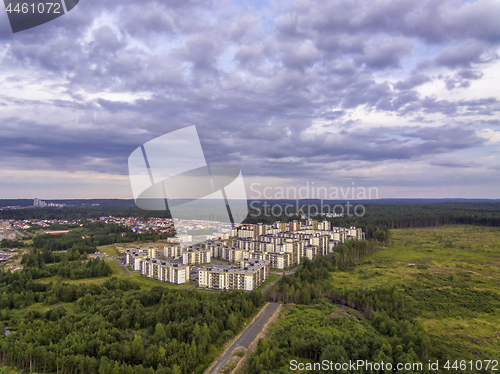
[196,256]
[163,271]
[248,277]
[172,251]
[149,251]
[246,232]
[296,240]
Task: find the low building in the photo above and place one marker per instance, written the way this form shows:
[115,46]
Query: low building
[56,232]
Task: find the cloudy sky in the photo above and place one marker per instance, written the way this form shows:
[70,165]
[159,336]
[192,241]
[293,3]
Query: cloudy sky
[401,95]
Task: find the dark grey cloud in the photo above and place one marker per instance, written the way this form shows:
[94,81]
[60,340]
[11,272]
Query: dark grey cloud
[462,56]
[379,144]
[388,54]
[274,90]
[414,80]
[462,79]
[399,101]
[470,74]
[455,164]
[434,22]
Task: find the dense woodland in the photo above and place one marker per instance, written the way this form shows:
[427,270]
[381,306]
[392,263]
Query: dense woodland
[5,243]
[401,215]
[93,234]
[340,340]
[86,235]
[112,329]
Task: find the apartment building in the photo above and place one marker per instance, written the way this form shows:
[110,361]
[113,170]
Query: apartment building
[225,252]
[163,271]
[196,256]
[129,256]
[246,232]
[172,251]
[149,251]
[295,239]
[282,260]
[249,275]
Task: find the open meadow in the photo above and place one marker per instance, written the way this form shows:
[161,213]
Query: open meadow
[449,277]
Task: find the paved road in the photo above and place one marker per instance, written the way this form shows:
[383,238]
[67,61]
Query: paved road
[263,291]
[122,266]
[21,234]
[248,336]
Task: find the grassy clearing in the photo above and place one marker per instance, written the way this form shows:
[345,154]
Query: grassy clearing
[56,278]
[42,308]
[449,274]
[145,282]
[109,250]
[8,370]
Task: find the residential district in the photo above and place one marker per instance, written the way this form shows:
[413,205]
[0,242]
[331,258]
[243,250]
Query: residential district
[245,257]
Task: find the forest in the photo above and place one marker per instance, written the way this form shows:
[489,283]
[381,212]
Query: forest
[400,215]
[92,234]
[112,328]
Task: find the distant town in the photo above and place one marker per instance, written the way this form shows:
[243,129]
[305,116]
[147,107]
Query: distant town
[39,203]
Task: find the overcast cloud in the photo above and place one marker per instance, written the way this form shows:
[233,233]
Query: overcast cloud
[402,95]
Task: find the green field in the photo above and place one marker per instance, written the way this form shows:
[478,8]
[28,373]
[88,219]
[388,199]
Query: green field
[451,278]
[433,295]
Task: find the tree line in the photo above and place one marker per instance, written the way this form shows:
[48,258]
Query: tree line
[398,215]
